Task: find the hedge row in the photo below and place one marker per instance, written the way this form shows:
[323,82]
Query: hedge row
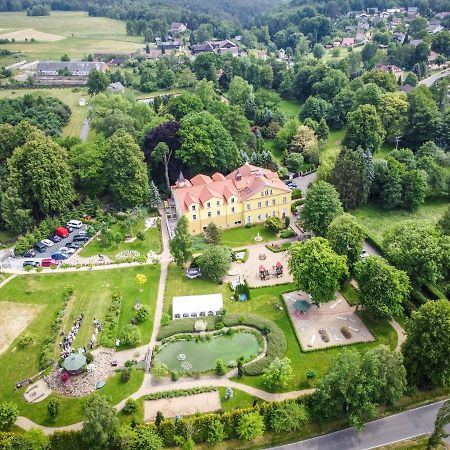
[184,326]
[180,393]
[46,358]
[276,341]
[111,322]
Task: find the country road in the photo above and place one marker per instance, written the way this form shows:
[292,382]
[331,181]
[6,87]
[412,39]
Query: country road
[85,130]
[398,427]
[429,81]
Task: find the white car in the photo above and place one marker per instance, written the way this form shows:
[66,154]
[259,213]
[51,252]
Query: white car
[74,223]
[66,250]
[48,242]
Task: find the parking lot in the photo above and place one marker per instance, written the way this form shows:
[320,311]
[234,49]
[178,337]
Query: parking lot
[17,262]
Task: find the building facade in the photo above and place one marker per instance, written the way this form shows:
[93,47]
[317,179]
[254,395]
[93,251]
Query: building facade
[249,194]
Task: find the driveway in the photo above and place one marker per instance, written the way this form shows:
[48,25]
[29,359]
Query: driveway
[85,130]
[433,78]
[398,427]
[304,182]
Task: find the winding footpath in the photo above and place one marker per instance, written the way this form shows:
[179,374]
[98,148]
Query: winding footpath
[149,385]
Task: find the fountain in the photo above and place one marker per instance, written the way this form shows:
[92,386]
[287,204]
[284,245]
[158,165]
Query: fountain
[186,365]
[258,238]
[181,357]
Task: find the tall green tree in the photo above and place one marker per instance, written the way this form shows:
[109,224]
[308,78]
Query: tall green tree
[383,288]
[206,145]
[240,91]
[321,207]
[215,262]
[8,414]
[288,416]
[317,269]
[419,249]
[426,347]
[163,153]
[393,111]
[352,176]
[183,104]
[100,424]
[97,82]
[181,243]
[154,197]
[364,129]
[346,237]
[39,180]
[127,177]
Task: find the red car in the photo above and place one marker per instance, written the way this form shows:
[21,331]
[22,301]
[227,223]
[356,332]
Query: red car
[62,232]
[48,262]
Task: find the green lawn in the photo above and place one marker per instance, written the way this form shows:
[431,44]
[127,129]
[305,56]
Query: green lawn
[70,96]
[240,399]
[262,302]
[384,151]
[332,146]
[82,35]
[377,220]
[152,242]
[290,107]
[92,292]
[270,145]
[242,236]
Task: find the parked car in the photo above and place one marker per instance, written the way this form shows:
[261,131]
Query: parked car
[74,223]
[73,245]
[80,238]
[364,254]
[48,242]
[67,250]
[29,253]
[291,185]
[55,239]
[48,262]
[58,256]
[40,247]
[62,232]
[193,272]
[30,264]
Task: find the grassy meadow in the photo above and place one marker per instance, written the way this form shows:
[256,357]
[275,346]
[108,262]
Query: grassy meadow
[92,293]
[82,35]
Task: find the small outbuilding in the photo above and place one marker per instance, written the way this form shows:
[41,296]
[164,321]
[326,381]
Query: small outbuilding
[196,306]
[74,363]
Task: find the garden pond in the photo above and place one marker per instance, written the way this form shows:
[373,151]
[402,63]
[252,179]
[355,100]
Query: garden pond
[202,355]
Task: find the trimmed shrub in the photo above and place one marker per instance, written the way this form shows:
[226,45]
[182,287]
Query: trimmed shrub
[346,332]
[131,406]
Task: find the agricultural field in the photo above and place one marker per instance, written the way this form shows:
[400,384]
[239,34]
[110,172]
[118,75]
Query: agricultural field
[72,33]
[70,96]
[40,295]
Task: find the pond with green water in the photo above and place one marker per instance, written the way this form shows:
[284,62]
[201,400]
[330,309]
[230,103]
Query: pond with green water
[200,356]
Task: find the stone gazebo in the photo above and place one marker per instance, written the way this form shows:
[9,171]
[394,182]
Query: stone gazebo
[74,363]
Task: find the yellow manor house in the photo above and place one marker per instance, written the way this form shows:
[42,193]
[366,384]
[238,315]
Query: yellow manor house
[250,194]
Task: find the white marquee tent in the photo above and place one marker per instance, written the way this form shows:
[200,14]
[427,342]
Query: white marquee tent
[196,305]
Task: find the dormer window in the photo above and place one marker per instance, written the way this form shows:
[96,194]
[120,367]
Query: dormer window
[208,205]
[193,207]
[232,199]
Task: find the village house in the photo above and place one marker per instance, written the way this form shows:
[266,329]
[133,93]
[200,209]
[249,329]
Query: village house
[116,87]
[170,45]
[390,68]
[76,68]
[249,194]
[221,47]
[177,27]
[348,42]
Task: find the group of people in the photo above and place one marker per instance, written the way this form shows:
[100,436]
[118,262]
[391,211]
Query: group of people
[66,344]
[97,328]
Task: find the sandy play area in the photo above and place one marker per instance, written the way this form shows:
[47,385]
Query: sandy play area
[14,318]
[259,255]
[182,406]
[327,321]
[30,33]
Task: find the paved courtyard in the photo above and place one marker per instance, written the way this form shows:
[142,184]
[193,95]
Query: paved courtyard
[182,406]
[331,318]
[258,256]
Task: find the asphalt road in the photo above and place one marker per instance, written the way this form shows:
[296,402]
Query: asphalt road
[381,432]
[303,182]
[433,78]
[85,130]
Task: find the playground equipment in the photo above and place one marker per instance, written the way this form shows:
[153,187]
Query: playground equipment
[277,271]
